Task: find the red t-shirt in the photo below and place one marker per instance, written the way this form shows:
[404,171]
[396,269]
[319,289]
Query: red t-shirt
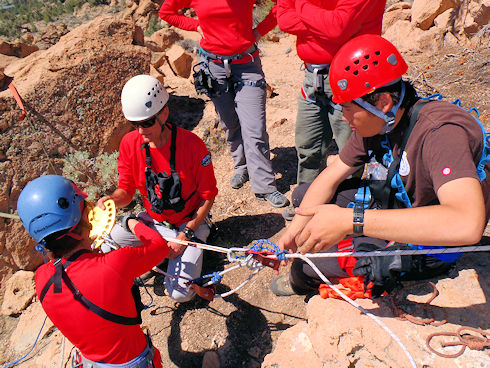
[105,280]
[226,24]
[445,144]
[192,162]
[323,26]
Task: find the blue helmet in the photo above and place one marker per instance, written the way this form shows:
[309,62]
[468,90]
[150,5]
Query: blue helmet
[49,204]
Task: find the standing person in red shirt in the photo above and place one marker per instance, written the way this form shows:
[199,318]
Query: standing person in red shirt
[89,296]
[322,27]
[172,169]
[230,58]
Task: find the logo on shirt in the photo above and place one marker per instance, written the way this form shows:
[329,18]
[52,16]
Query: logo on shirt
[446,171]
[404,165]
[206,160]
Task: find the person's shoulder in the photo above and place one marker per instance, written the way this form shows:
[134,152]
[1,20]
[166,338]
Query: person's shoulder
[188,136]
[131,138]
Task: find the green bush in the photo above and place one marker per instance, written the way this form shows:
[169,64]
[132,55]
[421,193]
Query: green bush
[96,175]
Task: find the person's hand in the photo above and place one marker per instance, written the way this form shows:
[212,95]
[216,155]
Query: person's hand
[100,202]
[288,239]
[256,34]
[176,249]
[328,226]
[199,30]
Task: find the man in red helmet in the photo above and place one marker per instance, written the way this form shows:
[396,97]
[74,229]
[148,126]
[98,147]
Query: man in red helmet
[427,182]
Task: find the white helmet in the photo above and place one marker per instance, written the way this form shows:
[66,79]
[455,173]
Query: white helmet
[142,98]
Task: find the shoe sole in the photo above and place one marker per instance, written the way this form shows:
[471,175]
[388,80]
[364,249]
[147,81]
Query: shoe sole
[272,204]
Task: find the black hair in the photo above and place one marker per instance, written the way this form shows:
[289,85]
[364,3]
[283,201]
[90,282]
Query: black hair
[395,92]
[60,246]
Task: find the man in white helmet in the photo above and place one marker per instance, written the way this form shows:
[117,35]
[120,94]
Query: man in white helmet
[171,168]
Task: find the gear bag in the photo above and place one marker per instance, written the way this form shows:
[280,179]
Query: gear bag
[204,82]
[165,191]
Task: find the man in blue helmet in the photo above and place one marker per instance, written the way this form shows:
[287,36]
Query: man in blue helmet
[84,294]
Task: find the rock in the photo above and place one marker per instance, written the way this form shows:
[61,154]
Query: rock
[50,356]
[19,292]
[30,323]
[6,61]
[28,37]
[396,12]
[450,40]
[72,95]
[338,335]
[409,39]
[180,61]
[154,72]
[424,12]
[473,17]
[165,37]
[138,36]
[272,37]
[158,59]
[269,90]
[17,49]
[50,36]
[445,21]
[152,45]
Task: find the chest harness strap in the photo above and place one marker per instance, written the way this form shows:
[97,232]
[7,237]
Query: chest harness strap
[60,274]
[165,191]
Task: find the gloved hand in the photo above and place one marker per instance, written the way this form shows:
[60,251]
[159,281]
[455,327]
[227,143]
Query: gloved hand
[383,272]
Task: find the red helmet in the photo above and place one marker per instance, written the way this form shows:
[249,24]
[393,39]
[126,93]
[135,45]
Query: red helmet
[363,64]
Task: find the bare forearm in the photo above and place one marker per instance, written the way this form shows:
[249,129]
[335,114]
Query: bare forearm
[200,215]
[121,198]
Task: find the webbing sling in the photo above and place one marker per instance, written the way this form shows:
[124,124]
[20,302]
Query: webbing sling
[60,274]
[388,193]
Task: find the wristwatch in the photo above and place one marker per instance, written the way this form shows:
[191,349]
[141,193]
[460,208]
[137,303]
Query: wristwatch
[189,233]
[358,222]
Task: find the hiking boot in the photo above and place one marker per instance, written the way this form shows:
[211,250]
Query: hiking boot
[275,199]
[281,286]
[238,180]
[288,213]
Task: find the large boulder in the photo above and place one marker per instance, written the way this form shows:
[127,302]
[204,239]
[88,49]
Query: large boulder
[410,39]
[396,12]
[424,12]
[50,36]
[72,95]
[337,334]
[17,49]
[20,292]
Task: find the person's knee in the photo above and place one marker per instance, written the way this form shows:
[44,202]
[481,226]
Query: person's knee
[299,193]
[181,296]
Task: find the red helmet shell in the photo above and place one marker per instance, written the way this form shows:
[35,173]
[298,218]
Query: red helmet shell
[362,65]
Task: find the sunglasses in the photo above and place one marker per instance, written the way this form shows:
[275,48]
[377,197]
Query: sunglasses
[144,124]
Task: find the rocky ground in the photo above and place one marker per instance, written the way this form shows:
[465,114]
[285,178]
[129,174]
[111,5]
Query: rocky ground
[245,327]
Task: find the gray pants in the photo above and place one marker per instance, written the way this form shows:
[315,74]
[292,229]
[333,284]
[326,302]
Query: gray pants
[188,264]
[241,110]
[316,122]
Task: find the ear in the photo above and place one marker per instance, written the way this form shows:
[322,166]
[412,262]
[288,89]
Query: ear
[385,102]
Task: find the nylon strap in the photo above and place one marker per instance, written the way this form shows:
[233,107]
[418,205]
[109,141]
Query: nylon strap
[18,99]
[388,192]
[60,273]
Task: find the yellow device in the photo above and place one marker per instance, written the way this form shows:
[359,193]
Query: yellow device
[102,222]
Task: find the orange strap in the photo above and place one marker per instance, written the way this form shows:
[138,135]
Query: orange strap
[353,287]
[18,99]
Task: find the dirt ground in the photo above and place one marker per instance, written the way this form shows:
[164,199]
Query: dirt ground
[243,327]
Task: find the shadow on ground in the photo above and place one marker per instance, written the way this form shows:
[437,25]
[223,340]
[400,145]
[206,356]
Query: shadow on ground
[185,111]
[248,331]
[239,231]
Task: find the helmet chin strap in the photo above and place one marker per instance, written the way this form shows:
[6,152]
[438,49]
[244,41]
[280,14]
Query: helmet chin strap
[389,117]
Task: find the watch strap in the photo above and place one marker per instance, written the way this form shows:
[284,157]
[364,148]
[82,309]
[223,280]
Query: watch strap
[358,220]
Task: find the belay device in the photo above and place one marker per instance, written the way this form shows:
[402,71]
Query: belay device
[165,191]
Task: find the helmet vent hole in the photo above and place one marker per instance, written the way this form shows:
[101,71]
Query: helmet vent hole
[375,62]
[347,68]
[155,95]
[356,72]
[365,67]
[377,53]
[356,62]
[149,93]
[366,57]
[63,203]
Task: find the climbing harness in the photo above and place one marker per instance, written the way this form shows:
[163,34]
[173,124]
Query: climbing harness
[60,274]
[204,81]
[165,190]
[469,340]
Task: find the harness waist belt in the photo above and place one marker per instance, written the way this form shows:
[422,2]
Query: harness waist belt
[321,68]
[251,52]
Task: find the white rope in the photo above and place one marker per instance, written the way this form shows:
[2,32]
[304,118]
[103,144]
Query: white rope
[377,253]
[353,303]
